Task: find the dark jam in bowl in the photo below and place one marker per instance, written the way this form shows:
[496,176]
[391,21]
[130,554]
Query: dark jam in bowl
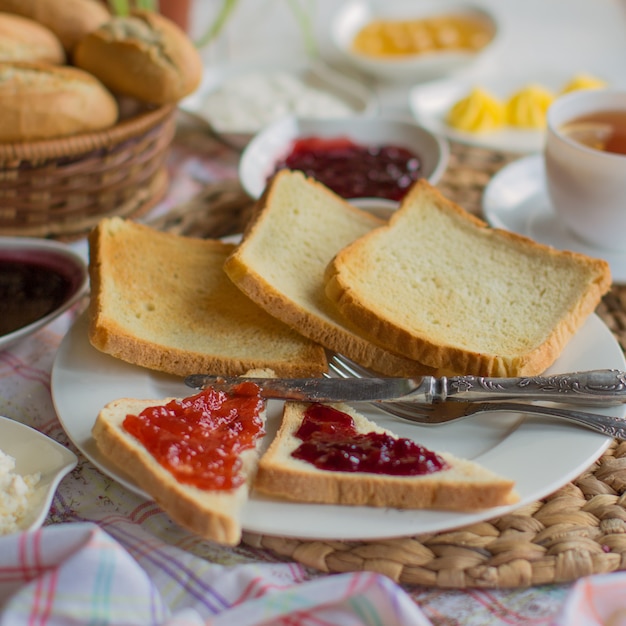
[330,441]
[352,170]
[32,285]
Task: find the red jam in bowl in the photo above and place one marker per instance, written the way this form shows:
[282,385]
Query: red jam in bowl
[352,170]
[330,441]
[199,439]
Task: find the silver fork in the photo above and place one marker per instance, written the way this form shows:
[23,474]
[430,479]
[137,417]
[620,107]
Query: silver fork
[442,412]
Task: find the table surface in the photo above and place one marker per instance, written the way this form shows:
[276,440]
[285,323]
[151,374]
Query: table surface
[25,393]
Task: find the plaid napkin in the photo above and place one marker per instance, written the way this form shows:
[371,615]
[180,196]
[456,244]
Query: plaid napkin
[598,600]
[78,574]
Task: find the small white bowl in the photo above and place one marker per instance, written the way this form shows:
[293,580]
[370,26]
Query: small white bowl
[275,142]
[411,68]
[34,452]
[259,108]
[53,256]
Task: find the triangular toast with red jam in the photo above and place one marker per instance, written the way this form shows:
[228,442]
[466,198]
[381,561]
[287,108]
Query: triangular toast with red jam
[195,456]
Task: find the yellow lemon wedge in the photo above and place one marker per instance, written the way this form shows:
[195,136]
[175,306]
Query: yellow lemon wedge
[527,107]
[584,81]
[478,112]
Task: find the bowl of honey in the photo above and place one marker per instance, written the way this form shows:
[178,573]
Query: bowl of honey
[371,161]
[413,42]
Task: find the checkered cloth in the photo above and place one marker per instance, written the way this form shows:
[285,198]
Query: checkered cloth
[78,574]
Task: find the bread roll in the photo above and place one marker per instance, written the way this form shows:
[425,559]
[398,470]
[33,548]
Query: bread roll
[69,20]
[23,39]
[39,101]
[143,55]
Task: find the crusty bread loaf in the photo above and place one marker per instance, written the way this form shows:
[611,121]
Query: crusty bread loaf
[144,55]
[23,39]
[42,101]
[298,226]
[69,20]
[462,486]
[438,285]
[212,514]
[163,302]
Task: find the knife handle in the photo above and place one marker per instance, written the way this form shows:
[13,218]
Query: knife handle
[601,387]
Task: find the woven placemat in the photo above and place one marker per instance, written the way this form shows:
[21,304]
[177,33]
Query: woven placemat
[577,531]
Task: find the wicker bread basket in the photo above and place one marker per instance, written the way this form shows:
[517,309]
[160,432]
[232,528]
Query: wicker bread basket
[62,188]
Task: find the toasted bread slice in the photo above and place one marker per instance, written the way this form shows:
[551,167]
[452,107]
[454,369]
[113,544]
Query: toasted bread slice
[438,285]
[462,486]
[298,226]
[212,514]
[163,302]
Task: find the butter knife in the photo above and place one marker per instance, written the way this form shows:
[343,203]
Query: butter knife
[595,387]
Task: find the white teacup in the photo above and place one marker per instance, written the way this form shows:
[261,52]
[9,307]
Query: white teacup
[587,186]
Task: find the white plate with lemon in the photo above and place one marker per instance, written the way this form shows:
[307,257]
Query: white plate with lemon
[503,113]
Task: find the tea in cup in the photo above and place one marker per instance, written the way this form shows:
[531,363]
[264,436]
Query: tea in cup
[585,162]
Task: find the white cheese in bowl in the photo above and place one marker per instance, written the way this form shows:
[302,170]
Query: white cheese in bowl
[16,495]
[248,102]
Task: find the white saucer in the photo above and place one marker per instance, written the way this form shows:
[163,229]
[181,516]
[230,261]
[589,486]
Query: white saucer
[516,199]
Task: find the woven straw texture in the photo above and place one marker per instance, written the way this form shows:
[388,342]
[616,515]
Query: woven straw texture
[577,531]
[62,188]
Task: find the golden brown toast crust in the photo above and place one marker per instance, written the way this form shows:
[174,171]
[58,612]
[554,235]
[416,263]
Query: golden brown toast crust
[486,302]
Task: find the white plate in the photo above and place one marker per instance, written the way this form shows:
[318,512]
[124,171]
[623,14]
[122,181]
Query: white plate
[34,452]
[516,199]
[540,454]
[50,254]
[430,103]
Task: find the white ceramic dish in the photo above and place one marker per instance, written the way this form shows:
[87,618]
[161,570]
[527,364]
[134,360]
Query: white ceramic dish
[316,75]
[412,68]
[34,452]
[516,199]
[51,255]
[520,447]
[274,142]
[431,102]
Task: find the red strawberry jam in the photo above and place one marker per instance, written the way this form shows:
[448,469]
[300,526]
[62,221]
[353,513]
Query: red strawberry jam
[352,170]
[331,442]
[199,439]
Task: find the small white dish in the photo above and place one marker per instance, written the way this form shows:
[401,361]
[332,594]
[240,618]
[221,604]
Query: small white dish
[35,452]
[353,16]
[50,256]
[247,115]
[274,142]
[516,199]
[430,103]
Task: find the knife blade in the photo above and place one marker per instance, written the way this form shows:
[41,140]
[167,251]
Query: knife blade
[594,387]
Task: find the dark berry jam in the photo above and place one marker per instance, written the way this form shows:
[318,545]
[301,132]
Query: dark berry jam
[352,170]
[28,292]
[199,439]
[331,442]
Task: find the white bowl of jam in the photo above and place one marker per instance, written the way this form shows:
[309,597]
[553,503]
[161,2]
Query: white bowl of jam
[413,42]
[39,280]
[369,161]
